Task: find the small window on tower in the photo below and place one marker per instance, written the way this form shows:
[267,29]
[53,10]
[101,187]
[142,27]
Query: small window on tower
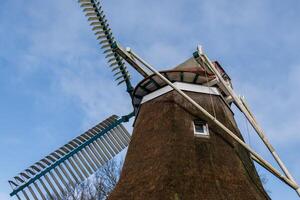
[200,128]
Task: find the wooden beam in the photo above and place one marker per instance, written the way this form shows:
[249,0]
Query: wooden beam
[291,182]
[249,116]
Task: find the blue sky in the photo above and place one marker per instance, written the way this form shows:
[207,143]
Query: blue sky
[54,81]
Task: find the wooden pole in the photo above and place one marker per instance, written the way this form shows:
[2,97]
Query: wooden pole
[291,183]
[250,118]
[276,173]
[243,100]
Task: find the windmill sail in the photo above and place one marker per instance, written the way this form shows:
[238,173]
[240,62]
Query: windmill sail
[72,163]
[100,26]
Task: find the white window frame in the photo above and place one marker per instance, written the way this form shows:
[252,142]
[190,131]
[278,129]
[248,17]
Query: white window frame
[205,133]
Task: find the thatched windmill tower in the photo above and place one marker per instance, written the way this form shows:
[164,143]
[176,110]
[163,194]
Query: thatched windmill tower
[176,153]
[185,143]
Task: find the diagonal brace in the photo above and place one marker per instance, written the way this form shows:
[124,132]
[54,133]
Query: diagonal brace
[255,155]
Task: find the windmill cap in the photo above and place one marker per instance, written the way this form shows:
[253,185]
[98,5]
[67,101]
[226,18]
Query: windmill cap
[188,72]
[192,65]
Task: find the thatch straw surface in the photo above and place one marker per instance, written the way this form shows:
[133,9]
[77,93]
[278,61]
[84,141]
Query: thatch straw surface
[165,161]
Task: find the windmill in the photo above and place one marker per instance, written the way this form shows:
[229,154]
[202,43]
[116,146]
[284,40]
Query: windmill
[185,143]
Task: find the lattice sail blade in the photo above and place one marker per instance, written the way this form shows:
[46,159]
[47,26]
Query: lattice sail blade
[95,15]
[72,163]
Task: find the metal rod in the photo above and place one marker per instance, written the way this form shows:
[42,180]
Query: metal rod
[32,193]
[108,147]
[87,158]
[83,160]
[100,151]
[25,195]
[111,144]
[75,166]
[57,183]
[78,163]
[45,188]
[98,156]
[104,148]
[126,134]
[39,191]
[51,186]
[71,171]
[78,157]
[18,197]
[70,182]
[62,180]
[213,119]
[115,140]
[118,134]
[93,156]
[111,136]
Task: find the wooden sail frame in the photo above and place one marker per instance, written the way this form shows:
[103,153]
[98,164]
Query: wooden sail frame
[74,162]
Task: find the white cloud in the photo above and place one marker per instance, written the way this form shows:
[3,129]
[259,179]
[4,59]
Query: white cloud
[64,45]
[98,96]
[54,36]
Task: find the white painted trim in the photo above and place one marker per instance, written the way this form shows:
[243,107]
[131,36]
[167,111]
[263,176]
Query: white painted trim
[205,134]
[182,86]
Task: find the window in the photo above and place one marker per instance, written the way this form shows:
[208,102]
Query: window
[200,128]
